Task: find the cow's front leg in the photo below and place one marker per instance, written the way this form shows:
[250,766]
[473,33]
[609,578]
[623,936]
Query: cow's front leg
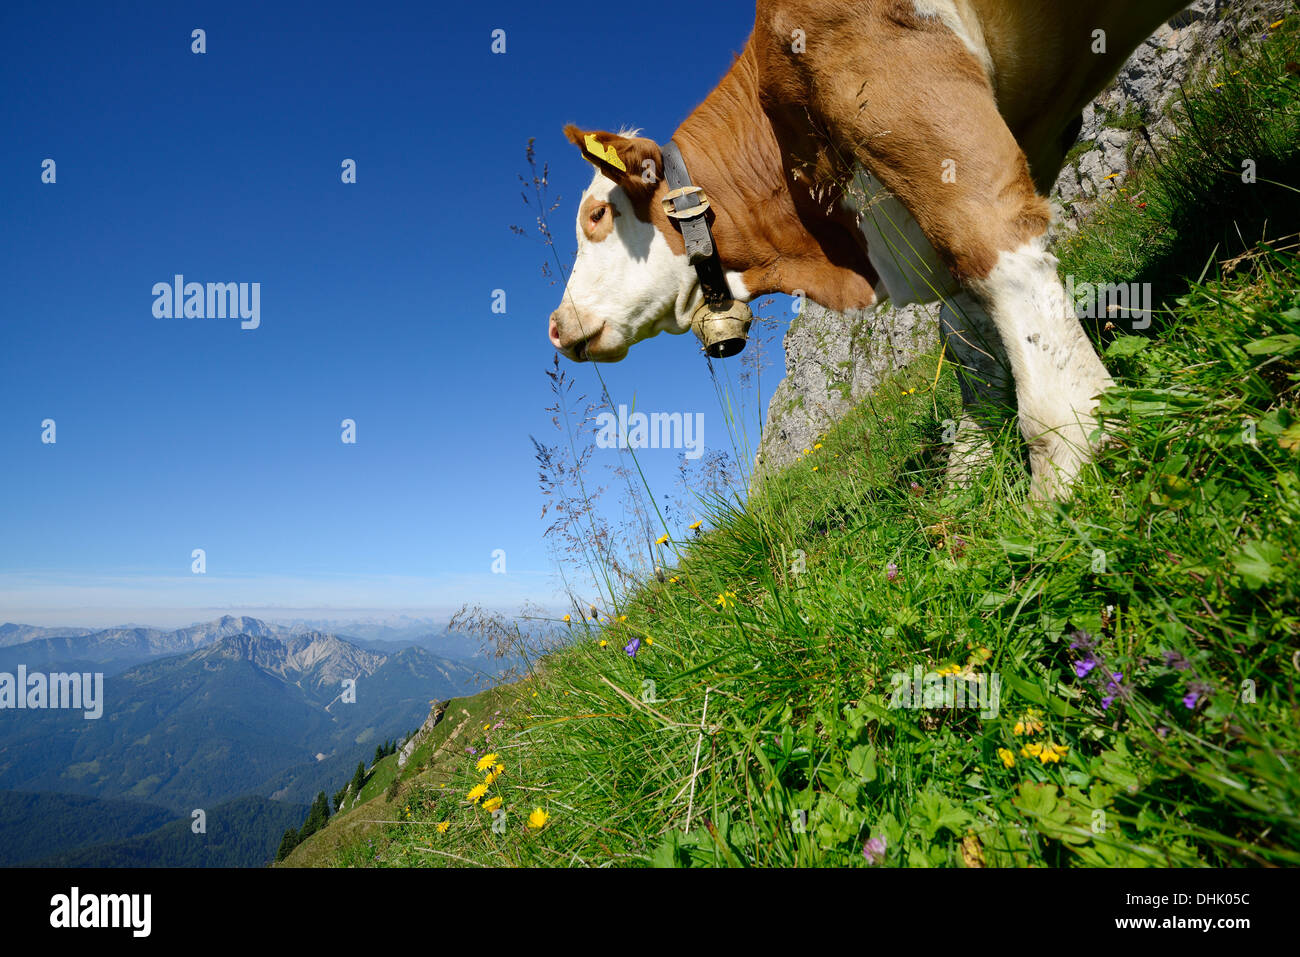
[906,99]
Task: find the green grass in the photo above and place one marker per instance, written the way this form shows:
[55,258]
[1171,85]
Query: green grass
[358,836]
[757,726]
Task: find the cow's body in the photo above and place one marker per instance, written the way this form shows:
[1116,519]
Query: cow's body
[875,149]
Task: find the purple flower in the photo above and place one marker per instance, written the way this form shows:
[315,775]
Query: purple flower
[1195,691]
[471,750]
[632,647]
[1083,640]
[891,571]
[1084,665]
[1175,660]
[1106,702]
[874,850]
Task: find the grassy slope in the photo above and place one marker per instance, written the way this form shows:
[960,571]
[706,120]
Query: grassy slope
[755,727]
[351,837]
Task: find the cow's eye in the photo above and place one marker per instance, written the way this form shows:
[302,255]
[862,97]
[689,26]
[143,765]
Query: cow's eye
[598,214]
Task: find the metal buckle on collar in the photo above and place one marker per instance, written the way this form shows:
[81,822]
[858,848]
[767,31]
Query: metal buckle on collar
[670,206]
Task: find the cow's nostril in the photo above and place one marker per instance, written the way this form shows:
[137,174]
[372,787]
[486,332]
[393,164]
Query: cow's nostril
[555,332]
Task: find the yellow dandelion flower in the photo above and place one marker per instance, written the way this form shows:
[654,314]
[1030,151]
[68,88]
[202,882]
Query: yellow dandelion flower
[649,641]
[491,778]
[486,761]
[498,769]
[816,467]
[566,618]
[443,826]
[1007,757]
[603,642]
[491,804]
[661,539]
[537,820]
[817,446]
[696,525]
[622,617]
[475,793]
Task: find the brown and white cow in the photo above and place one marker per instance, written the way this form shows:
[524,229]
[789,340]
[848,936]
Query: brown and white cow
[859,150]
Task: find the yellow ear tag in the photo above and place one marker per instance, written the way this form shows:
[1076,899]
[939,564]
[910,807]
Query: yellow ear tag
[602,152]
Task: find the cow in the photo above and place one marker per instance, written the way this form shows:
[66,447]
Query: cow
[859,151]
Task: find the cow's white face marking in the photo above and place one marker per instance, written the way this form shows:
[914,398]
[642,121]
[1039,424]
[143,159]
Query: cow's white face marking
[627,283]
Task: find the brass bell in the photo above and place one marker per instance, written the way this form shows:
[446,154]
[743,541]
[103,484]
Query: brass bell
[723,329]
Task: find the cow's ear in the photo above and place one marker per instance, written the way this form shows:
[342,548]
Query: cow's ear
[633,162]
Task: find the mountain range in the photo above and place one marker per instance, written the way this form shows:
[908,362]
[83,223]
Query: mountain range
[229,709]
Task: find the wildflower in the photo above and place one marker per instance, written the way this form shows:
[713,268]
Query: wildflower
[1031,722]
[1008,759]
[649,641]
[566,619]
[632,647]
[1274,26]
[874,850]
[674,580]
[949,670]
[491,804]
[473,751]
[1114,689]
[1082,640]
[622,617]
[818,445]
[1084,665]
[661,539]
[537,820]
[1032,750]
[1195,691]
[486,762]
[725,599]
[1176,661]
[443,826]
[696,526]
[816,467]
[475,793]
[492,776]
[1052,753]
[891,572]
[603,642]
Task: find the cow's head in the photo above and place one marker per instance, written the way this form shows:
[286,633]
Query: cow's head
[631,279]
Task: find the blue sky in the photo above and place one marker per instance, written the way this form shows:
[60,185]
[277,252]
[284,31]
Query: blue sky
[175,434]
